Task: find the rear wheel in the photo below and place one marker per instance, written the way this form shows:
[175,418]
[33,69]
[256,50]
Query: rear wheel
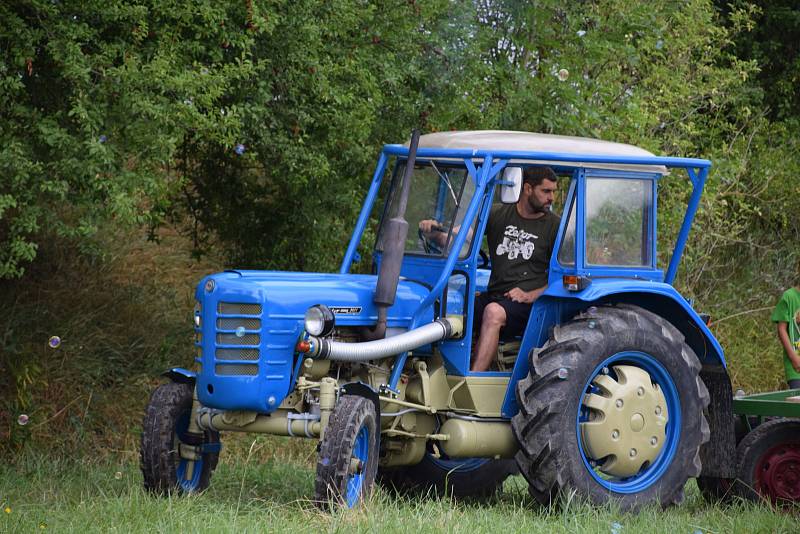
[613,410]
[467,478]
[768,462]
[348,455]
[165,434]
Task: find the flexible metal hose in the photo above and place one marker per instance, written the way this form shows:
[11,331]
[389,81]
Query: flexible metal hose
[439,329]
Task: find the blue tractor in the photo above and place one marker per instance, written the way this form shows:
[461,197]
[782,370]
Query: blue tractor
[616,391]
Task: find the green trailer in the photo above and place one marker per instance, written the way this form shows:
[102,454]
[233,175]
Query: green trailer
[767,429]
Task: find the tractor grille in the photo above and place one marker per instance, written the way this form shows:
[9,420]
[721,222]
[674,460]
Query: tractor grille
[237,354]
[241,337]
[238,308]
[232,323]
[237,369]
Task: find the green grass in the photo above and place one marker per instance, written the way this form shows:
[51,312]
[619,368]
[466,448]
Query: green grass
[273,496]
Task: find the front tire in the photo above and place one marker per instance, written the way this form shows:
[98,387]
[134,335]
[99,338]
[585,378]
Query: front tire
[348,454]
[164,430]
[613,410]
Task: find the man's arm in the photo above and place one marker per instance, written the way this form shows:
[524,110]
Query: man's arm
[783,335]
[526,297]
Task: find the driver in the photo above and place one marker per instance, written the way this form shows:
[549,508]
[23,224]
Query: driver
[521,238]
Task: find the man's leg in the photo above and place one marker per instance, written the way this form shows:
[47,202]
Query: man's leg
[494,318]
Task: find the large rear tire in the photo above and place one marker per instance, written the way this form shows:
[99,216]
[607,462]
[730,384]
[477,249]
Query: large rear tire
[468,478]
[164,429]
[612,409]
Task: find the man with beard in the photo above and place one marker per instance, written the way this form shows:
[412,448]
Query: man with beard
[521,238]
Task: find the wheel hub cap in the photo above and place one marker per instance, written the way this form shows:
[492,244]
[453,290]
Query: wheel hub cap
[778,473]
[627,421]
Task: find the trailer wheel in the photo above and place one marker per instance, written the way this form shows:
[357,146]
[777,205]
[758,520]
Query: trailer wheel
[348,455]
[466,478]
[768,462]
[612,409]
[164,430]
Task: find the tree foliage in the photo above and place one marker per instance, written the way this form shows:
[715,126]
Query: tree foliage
[261,120]
[95,100]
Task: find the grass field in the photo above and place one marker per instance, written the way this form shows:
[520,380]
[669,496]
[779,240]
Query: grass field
[264,492]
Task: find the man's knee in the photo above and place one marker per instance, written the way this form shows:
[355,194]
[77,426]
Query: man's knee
[494,315]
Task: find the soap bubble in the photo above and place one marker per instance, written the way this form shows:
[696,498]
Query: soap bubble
[54,342]
[23,419]
[118,475]
[103,138]
[563,74]
[240,148]
[581,33]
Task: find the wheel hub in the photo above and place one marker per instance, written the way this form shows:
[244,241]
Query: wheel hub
[778,473]
[627,419]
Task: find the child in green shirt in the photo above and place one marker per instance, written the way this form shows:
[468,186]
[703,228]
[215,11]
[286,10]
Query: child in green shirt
[787,316]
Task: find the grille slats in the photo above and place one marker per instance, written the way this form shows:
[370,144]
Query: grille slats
[236,369]
[238,308]
[237,354]
[232,323]
[233,339]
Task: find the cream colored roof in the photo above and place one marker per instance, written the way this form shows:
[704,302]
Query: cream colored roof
[506,141]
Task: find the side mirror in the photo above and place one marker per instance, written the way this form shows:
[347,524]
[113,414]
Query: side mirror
[509,192]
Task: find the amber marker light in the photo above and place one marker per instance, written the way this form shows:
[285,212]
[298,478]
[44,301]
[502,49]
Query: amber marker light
[574,282]
[303,346]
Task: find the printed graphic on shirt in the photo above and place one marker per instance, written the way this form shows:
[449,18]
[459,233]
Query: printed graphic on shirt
[516,242]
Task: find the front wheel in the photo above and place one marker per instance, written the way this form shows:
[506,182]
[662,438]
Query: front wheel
[613,410]
[166,444]
[348,454]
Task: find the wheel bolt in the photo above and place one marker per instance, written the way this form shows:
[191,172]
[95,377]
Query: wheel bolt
[615,434]
[619,403]
[653,441]
[633,453]
[640,391]
[605,370]
[658,410]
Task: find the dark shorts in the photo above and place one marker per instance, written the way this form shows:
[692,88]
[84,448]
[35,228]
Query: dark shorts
[517,314]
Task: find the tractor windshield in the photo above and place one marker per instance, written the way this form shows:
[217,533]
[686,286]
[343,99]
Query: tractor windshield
[440,192]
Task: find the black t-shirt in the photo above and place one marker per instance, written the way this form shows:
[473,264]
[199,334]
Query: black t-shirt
[520,248]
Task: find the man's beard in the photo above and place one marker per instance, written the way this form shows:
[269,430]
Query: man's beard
[536,207]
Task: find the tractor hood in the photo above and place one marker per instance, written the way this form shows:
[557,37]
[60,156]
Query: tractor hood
[287,295]
[248,323]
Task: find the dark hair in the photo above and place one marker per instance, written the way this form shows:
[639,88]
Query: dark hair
[535,175]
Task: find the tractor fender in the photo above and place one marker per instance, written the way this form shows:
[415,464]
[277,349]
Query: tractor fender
[659,298]
[180,375]
[558,305]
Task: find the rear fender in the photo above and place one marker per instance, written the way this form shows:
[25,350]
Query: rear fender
[557,305]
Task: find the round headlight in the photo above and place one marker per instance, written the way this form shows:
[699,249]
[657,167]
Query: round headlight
[319,320]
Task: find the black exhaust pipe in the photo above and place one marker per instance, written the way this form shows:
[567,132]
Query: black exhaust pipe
[394,246]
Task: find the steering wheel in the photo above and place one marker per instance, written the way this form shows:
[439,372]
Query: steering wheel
[429,246]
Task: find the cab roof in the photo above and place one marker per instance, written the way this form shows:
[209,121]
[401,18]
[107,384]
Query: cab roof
[512,141]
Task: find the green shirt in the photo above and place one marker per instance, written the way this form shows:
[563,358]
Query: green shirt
[520,248]
[788,311]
